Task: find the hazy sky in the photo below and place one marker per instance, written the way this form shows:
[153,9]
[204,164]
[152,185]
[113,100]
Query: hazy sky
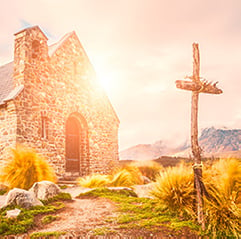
[139,48]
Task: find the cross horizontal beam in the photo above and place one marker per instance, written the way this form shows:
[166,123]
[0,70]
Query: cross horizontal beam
[200,86]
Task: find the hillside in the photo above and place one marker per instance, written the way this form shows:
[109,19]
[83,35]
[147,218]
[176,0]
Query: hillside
[216,142]
[149,151]
[220,140]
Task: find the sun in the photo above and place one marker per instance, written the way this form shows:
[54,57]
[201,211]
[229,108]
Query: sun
[106,80]
[106,75]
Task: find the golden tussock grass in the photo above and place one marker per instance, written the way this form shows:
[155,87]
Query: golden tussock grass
[24,168]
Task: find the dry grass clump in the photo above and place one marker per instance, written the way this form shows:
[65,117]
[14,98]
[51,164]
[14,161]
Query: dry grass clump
[174,189]
[148,168]
[223,208]
[24,168]
[124,177]
[130,173]
[94,181]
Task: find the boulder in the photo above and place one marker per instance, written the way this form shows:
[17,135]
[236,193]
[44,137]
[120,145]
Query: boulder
[143,191]
[146,180]
[22,198]
[13,213]
[45,189]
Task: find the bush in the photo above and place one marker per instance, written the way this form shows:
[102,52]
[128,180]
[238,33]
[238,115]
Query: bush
[223,207]
[174,188]
[150,169]
[48,219]
[94,181]
[24,168]
[125,177]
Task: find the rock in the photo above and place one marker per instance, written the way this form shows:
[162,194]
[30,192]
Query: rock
[76,190]
[120,189]
[44,190]
[13,213]
[22,198]
[146,180]
[143,191]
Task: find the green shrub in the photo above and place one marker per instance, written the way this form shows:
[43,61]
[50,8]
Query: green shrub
[174,189]
[105,192]
[223,207]
[24,168]
[25,220]
[3,191]
[48,219]
[62,196]
[36,235]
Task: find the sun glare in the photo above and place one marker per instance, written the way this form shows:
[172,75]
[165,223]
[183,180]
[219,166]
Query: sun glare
[106,80]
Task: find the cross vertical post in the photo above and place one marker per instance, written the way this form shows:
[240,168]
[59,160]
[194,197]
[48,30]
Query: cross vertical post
[196,85]
[196,150]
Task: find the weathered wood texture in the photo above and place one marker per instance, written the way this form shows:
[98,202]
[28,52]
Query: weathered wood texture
[197,86]
[196,150]
[200,87]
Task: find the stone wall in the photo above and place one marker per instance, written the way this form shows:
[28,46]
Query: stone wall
[8,126]
[57,86]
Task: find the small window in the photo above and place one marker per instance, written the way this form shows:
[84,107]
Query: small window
[44,128]
[35,48]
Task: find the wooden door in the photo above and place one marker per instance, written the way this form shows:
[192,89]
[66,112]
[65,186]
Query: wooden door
[72,145]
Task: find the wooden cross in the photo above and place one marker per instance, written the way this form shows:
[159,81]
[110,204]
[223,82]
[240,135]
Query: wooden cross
[196,85]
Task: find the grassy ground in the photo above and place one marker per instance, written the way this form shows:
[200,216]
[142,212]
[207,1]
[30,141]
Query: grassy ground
[142,214]
[25,220]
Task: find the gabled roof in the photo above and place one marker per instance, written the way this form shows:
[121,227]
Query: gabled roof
[6,82]
[53,48]
[7,90]
[30,29]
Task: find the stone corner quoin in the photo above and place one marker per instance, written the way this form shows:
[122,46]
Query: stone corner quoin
[52,102]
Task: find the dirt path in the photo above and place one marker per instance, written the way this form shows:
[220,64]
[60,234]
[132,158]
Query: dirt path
[81,216]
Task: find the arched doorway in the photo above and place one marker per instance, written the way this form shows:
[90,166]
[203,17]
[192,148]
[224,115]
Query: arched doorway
[73,145]
[77,146]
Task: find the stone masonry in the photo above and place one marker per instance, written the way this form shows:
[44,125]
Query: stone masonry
[53,103]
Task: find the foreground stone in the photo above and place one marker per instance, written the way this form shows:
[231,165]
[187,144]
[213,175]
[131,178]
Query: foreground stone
[144,191]
[22,198]
[116,189]
[45,190]
[13,213]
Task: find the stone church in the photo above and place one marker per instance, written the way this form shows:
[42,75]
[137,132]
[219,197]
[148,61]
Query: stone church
[50,100]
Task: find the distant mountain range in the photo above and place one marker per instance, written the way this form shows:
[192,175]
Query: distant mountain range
[216,142]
